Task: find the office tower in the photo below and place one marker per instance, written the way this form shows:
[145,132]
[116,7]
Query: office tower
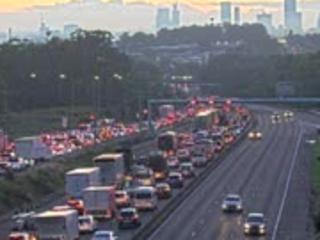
[225,12]
[163,18]
[292,18]
[237,16]
[266,20]
[318,25]
[175,22]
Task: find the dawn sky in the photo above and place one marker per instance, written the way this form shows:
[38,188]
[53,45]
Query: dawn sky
[12,5]
[25,15]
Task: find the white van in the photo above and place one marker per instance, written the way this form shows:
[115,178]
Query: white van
[144,198]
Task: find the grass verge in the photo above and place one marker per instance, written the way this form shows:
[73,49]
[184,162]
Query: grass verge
[315,178]
[28,190]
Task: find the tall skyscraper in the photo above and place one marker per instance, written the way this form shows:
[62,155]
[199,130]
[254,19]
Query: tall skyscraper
[266,20]
[318,25]
[237,16]
[292,18]
[225,12]
[163,18]
[175,21]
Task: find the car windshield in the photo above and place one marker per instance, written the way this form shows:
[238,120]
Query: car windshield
[255,219]
[120,195]
[84,221]
[174,177]
[198,155]
[127,214]
[233,199]
[102,236]
[143,195]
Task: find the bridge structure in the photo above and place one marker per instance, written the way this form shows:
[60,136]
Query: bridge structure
[248,100]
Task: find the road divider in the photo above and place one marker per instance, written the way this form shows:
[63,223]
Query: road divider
[146,230]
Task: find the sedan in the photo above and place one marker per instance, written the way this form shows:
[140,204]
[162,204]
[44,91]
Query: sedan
[232,203]
[255,224]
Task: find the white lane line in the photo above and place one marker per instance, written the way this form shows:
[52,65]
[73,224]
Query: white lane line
[285,194]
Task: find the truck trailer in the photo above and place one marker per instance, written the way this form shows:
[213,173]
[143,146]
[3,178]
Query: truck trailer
[79,179]
[112,168]
[99,201]
[57,225]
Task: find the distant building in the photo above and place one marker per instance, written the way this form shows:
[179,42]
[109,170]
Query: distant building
[318,25]
[3,37]
[163,18]
[225,12]
[266,20]
[175,21]
[68,29]
[237,16]
[292,18]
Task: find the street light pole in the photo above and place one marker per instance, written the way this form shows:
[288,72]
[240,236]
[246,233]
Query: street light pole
[96,98]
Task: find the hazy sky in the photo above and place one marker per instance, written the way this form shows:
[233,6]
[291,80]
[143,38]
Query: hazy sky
[135,15]
[12,5]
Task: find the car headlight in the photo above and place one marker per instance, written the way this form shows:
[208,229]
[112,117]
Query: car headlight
[246,226]
[262,226]
[239,207]
[224,206]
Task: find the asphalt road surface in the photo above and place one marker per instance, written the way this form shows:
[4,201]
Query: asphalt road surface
[266,174]
[271,175]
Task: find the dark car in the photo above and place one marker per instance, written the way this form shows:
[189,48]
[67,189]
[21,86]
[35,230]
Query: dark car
[175,180]
[163,190]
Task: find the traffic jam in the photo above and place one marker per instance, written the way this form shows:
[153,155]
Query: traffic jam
[122,187]
[20,154]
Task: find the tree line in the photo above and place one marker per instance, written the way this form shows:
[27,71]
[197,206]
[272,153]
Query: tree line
[86,70]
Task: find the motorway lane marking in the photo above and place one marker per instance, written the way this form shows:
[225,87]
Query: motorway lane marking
[285,195]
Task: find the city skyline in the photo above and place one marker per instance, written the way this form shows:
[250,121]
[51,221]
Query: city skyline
[93,14]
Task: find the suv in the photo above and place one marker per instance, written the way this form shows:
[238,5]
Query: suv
[122,199]
[255,224]
[87,224]
[128,217]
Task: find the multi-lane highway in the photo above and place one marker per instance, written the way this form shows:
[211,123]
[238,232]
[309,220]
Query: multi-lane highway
[262,172]
[271,175]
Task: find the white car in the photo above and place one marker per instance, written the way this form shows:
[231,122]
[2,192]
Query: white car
[187,170]
[104,235]
[87,224]
[232,203]
[255,224]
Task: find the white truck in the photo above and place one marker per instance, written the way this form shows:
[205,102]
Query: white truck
[79,179]
[99,201]
[32,148]
[112,168]
[57,225]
